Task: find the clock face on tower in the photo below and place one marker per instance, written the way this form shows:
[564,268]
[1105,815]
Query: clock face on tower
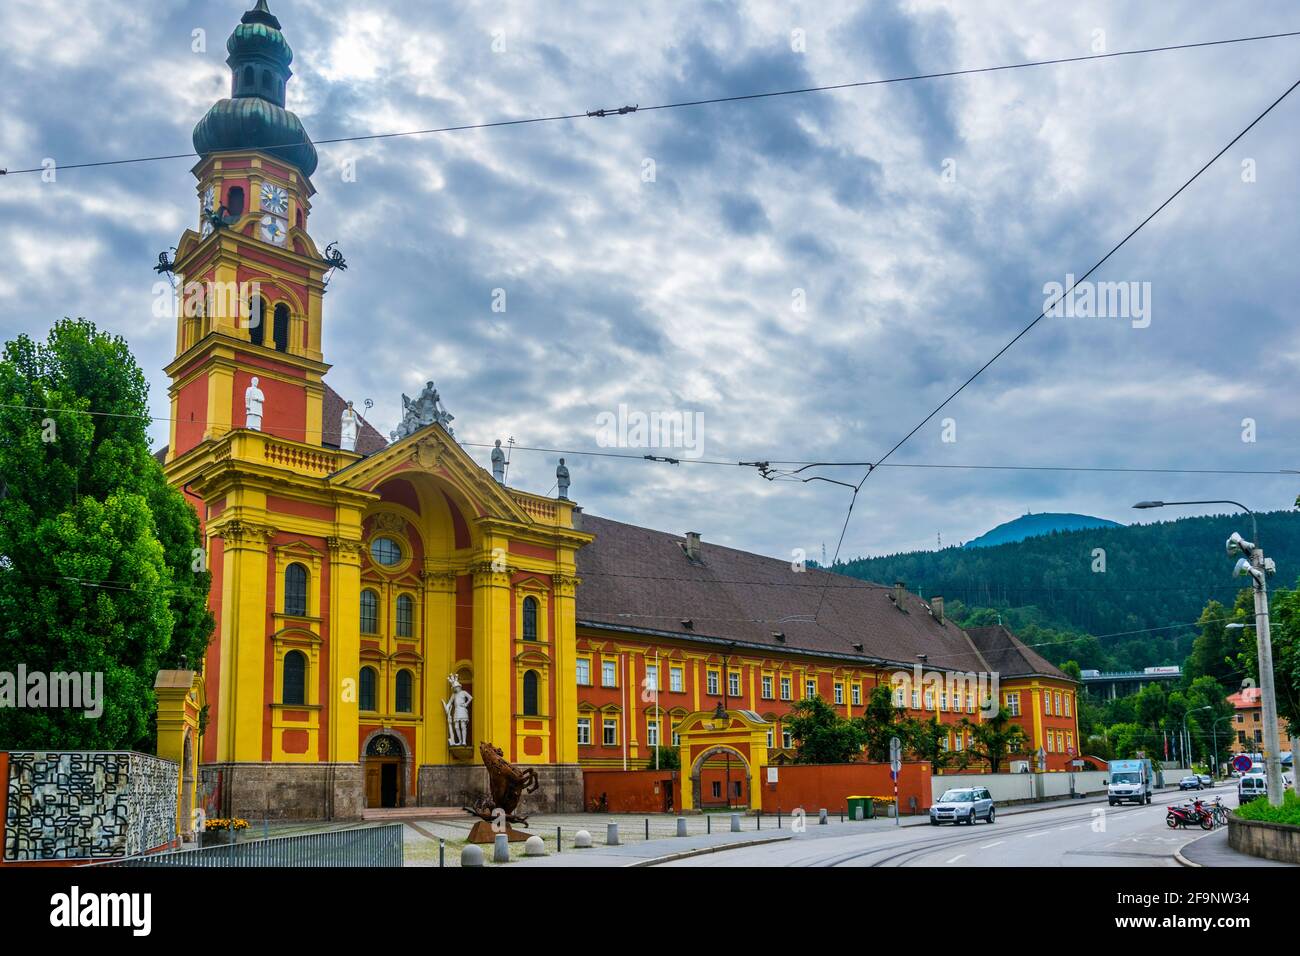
[272,230]
[275,200]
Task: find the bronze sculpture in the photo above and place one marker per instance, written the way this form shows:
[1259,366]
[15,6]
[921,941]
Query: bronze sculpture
[506,786]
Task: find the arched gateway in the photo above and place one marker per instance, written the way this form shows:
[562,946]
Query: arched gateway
[741,734]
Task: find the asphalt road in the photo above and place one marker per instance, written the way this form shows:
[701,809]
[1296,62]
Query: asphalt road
[1072,834]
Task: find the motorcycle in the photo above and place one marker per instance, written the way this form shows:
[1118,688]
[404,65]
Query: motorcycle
[1186,815]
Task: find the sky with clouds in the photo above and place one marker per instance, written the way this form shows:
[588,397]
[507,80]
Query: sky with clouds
[682,293]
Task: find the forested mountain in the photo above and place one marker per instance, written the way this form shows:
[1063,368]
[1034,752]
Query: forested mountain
[1078,592]
[1032,525]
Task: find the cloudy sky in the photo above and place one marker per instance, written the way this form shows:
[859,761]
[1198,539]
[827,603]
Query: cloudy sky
[917,225]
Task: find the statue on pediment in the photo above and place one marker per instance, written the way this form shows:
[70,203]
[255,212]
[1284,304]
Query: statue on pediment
[424,410]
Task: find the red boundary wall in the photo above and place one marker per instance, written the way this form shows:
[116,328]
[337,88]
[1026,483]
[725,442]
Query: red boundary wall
[828,786]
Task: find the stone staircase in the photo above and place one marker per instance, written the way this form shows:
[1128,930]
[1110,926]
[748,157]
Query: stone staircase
[402,814]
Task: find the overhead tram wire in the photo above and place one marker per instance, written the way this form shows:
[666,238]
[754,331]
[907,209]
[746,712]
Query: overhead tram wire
[684,104]
[632,456]
[1041,315]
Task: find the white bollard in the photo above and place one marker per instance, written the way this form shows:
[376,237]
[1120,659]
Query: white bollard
[582,840]
[735,823]
[471,855]
[534,846]
[611,834]
[501,849]
[681,826]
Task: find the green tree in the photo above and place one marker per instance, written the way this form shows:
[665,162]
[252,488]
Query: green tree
[880,721]
[928,740]
[97,552]
[821,735]
[1214,652]
[996,738]
[670,758]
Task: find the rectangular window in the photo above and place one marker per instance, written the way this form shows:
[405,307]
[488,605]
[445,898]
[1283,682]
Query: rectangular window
[733,684]
[944,744]
[652,733]
[1069,740]
[898,696]
[916,700]
[717,788]
[767,686]
[786,741]
[929,700]
[711,682]
[839,693]
[961,740]
[584,672]
[1050,748]
[610,730]
[943,700]
[1047,704]
[810,688]
[675,682]
[770,733]
[677,738]
[584,731]
[970,704]
[1067,704]
[1058,705]
[1013,703]
[785,688]
[855,694]
[608,673]
[652,677]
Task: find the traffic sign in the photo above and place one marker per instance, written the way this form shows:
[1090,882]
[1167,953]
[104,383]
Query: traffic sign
[1242,764]
[895,756]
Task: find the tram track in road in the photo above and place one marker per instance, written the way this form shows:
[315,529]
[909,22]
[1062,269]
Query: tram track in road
[902,855]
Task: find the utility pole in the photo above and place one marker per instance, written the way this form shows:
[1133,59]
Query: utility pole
[1258,567]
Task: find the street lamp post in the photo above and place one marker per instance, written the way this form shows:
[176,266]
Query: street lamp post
[1214,739]
[1259,568]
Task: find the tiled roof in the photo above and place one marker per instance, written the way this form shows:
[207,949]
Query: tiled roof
[1008,656]
[634,578]
[369,440]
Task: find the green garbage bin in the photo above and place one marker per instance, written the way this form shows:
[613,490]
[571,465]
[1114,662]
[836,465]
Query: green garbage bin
[866,803]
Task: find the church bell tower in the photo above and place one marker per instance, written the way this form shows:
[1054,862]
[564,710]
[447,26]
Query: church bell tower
[249,276]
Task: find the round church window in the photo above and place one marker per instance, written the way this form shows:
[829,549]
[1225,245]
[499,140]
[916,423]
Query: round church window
[386,551]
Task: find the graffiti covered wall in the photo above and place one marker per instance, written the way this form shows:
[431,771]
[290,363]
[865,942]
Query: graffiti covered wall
[91,805]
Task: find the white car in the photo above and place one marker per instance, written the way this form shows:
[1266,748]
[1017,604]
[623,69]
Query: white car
[963,806]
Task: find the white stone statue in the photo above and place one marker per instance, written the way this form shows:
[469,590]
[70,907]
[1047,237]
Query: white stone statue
[348,428]
[457,709]
[425,409]
[499,463]
[253,400]
[562,480]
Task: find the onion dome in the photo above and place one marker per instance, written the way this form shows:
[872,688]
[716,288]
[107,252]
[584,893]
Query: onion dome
[254,116]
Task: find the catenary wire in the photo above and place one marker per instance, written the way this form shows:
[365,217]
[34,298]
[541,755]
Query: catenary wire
[683,104]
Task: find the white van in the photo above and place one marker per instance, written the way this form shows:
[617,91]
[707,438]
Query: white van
[1250,787]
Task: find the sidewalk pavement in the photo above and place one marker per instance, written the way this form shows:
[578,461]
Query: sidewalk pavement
[647,852]
[1213,850]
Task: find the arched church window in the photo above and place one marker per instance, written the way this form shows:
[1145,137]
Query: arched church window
[266,79]
[257,320]
[530,693]
[405,615]
[530,619]
[235,202]
[295,590]
[369,612]
[367,696]
[281,329]
[295,678]
[248,79]
[403,692]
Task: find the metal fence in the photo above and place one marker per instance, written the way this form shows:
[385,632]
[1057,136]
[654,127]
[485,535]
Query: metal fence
[358,846]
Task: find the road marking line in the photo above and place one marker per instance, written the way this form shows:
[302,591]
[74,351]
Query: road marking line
[1061,829]
[989,846]
[957,857]
[1030,836]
